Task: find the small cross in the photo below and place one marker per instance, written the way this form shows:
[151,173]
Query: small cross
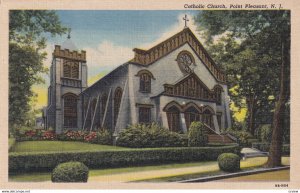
[185,20]
[69,33]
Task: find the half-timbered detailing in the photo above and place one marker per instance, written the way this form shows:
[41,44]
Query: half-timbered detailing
[146,57]
[192,87]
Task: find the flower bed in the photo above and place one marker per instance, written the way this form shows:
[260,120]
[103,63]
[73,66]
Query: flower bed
[101,137]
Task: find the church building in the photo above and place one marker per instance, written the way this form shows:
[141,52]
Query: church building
[173,84]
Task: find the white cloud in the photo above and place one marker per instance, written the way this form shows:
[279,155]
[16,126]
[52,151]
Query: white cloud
[177,27]
[108,54]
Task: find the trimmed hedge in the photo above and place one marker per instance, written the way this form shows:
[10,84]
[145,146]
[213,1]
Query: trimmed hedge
[229,162]
[117,158]
[70,172]
[266,147]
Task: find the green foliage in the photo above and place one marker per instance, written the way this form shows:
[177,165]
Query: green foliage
[27,31]
[11,143]
[229,162]
[244,138]
[103,137]
[153,135]
[38,161]
[27,134]
[197,136]
[248,45]
[70,172]
[265,133]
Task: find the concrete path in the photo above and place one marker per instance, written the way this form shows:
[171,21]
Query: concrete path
[252,152]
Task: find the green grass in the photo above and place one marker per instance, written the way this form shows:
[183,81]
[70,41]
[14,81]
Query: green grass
[46,176]
[247,164]
[59,146]
[11,143]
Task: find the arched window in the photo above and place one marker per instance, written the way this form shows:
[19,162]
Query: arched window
[117,102]
[145,80]
[218,94]
[70,111]
[145,83]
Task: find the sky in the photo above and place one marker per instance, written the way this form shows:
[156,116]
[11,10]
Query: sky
[108,37]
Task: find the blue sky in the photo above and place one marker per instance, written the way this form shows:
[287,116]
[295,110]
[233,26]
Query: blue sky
[126,28]
[109,37]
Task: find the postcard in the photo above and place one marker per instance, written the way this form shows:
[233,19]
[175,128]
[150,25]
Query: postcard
[149,95]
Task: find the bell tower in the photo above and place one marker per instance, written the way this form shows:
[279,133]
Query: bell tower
[68,78]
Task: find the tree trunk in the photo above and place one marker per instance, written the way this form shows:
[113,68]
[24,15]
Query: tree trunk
[274,159]
[251,114]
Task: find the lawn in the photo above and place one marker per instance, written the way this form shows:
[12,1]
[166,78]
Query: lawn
[59,146]
[11,143]
[158,173]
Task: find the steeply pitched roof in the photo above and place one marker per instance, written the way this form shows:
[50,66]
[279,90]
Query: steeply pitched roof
[147,57]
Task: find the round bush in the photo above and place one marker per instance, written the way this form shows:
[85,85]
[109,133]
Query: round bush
[70,172]
[229,162]
[197,136]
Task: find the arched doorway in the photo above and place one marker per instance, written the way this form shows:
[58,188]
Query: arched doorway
[70,111]
[191,114]
[117,102]
[173,110]
[207,118]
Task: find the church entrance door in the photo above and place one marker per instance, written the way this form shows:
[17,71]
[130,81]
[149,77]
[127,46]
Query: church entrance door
[70,111]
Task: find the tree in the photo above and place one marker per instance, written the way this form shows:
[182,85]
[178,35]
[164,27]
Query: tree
[27,39]
[254,50]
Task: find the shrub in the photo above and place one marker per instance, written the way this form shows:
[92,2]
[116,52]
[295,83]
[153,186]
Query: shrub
[37,161]
[153,135]
[70,135]
[229,162]
[265,133]
[70,172]
[244,138]
[197,137]
[104,137]
[101,137]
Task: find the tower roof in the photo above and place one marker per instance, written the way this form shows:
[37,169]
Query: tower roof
[68,44]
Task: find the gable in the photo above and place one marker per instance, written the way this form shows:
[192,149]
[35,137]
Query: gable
[192,87]
[147,57]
